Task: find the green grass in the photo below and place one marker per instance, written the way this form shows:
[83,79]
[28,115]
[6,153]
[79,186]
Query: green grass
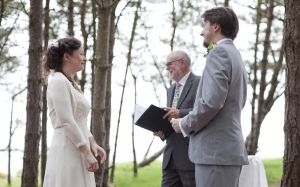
[150,176]
[16,182]
[273,170]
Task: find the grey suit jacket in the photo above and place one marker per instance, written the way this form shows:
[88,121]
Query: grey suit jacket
[177,145]
[214,124]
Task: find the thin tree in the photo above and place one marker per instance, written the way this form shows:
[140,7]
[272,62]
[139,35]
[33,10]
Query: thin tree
[32,134]
[101,76]
[226,3]
[174,25]
[129,61]
[85,35]
[2,5]
[105,169]
[70,18]
[11,133]
[94,36]
[291,160]
[135,168]
[44,109]
[265,91]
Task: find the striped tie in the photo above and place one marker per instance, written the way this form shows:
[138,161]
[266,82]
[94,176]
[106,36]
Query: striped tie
[176,95]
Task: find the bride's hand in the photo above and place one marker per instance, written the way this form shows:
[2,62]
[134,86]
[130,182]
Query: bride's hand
[92,163]
[99,151]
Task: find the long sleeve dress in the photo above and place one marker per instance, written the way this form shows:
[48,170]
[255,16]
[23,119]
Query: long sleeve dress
[68,110]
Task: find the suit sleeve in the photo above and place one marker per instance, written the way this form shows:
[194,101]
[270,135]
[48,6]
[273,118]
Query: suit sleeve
[184,112]
[212,94]
[63,103]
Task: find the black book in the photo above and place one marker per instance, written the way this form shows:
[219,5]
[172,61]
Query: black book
[152,120]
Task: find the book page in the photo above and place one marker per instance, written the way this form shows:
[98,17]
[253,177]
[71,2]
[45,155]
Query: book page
[138,111]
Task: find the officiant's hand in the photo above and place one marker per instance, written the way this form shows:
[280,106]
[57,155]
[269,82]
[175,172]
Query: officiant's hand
[171,113]
[175,125]
[160,134]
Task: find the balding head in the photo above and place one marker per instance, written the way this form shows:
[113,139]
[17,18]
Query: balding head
[178,64]
[180,55]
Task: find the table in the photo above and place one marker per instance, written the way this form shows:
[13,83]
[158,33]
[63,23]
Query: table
[253,175]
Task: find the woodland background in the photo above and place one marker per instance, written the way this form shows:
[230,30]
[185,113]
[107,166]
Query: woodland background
[126,43]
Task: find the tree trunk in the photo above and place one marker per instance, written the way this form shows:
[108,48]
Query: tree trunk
[9,142]
[11,133]
[32,135]
[105,170]
[94,31]
[129,60]
[226,3]
[135,168]
[70,18]
[44,110]
[1,11]
[264,101]
[85,38]
[174,25]
[100,80]
[291,161]
[254,71]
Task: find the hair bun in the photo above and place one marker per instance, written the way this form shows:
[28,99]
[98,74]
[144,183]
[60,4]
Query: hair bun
[53,56]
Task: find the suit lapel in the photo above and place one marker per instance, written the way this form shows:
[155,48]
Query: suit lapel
[188,84]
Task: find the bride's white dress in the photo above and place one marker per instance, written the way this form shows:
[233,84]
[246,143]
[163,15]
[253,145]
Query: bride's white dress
[68,110]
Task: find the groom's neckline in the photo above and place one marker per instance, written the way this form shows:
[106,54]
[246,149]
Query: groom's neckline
[223,40]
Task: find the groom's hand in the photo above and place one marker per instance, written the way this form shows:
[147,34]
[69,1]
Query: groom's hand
[175,125]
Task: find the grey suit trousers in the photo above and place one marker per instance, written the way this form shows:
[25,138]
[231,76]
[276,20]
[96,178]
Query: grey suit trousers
[217,175]
[174,177]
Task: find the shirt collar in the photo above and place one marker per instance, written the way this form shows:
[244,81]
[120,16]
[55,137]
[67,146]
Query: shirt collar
[223,40]
[184,78]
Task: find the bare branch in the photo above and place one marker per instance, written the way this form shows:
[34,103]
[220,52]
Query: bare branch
[174,25]
[8,34]
[152,158]
[155,63]
[114,4]
[121,13]
[274,81]
[24,8]
[146,154]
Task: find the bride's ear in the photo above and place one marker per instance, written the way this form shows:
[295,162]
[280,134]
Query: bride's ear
[66,57]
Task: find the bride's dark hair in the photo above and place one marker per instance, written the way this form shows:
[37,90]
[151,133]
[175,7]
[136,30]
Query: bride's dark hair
[55,53]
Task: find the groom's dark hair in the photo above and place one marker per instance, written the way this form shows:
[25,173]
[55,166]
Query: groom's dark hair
[226,18]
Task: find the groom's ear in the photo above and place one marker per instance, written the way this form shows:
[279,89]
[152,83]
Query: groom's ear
[216,27]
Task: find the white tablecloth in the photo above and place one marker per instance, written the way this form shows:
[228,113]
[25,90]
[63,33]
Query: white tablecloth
[253,175]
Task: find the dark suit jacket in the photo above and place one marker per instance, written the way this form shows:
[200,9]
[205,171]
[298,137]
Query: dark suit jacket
[177,145]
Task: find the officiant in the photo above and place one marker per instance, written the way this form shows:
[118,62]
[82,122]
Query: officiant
[177,169]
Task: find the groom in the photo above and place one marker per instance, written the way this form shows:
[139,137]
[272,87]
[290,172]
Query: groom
[214,125]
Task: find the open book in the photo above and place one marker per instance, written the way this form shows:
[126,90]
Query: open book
[152,119]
